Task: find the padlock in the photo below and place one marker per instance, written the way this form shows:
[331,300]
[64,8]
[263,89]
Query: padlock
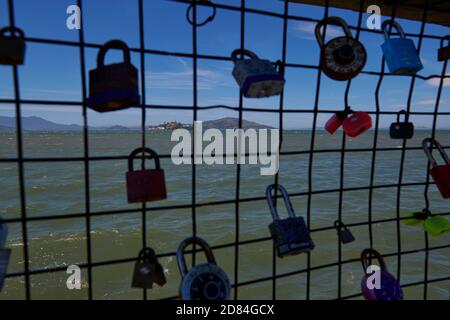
[145,185]
[335,122]
[206,281]
[344,234]
[3,233]
[5,254]
[436,225]
[342,58]
[257,78]
[147,270]
[444,52]
[401,130]
[291,235]
[115,86]
[357,123]
[12,48]
[400,54]
[389,288]
[440,173]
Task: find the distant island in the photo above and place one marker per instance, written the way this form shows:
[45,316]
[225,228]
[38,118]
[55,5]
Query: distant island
[34,123]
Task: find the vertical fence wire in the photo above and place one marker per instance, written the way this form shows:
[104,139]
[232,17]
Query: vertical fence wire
[311,155]
[143,118]
[20,164]
[86,153]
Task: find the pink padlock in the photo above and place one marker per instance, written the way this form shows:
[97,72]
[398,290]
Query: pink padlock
[358,123]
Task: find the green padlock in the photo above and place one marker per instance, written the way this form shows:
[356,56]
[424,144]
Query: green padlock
[436,225]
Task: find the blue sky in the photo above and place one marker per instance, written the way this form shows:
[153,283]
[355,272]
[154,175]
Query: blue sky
[52,72]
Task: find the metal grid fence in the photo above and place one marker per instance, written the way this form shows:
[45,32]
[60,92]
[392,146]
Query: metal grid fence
[195,56]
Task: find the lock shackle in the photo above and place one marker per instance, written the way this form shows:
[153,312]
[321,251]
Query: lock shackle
[113,44]
[13,31]
[287,201]
[447,37]
[152,155]
[342,115]
[209,19]
[183,245]
[422,215]
[147,255]
[334,21]
[339,225]
[395,25]
[243,52]
[368,253]
[400,113]
[427,145]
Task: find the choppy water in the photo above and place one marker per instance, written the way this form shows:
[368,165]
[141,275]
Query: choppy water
[57,188]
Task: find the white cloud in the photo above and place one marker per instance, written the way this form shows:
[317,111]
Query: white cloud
[427,102]
[435,82]
[307,31]
[183,80]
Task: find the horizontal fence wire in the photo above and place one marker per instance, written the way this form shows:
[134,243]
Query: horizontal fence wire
[243,10]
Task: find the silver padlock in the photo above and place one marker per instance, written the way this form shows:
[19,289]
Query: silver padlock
[257,78]
[206,281]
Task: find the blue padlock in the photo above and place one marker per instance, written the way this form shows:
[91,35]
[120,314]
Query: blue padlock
[256,77]
[3,233]
[400,53]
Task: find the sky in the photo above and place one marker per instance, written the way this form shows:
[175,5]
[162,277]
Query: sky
[52,72]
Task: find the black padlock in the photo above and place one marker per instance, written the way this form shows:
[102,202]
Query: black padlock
[291,235]
[115,86]
[401,130]
[444,52]
[344,234]
[12,48]
[147,270]
[4,260]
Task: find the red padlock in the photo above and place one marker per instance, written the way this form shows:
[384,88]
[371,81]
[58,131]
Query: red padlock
[440,174]
[336,120]
[358,123]
[145,185]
